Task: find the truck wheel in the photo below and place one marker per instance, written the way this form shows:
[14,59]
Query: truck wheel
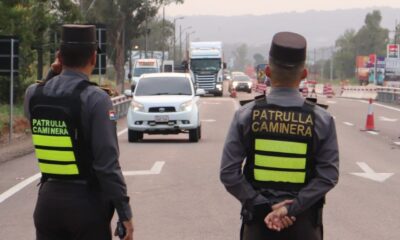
[194,135]
[134,136]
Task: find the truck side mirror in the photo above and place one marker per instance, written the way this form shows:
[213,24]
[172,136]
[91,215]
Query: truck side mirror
[133,86]
[224,65]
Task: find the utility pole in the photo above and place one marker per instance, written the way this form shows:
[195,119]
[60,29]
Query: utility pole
[164,40]
[331,65]
[174,50]
[180,42]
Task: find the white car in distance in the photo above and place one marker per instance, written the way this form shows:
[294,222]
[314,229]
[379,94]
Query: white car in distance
[164,103]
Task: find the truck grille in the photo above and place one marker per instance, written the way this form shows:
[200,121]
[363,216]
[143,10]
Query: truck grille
[162,109]
[205,81]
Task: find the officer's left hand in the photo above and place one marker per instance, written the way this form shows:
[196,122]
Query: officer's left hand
[278,220]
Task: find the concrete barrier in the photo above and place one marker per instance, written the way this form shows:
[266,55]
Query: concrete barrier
[388,95]
[359,92]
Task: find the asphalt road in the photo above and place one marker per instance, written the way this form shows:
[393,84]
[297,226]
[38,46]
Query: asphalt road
[176,192]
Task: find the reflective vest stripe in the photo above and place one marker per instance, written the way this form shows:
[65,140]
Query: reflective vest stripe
[55,155]
[279,176]
[69,169]
[280,162]
[52,141]
[281,146]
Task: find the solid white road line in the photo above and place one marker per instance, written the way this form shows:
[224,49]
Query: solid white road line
[381,105]
[122,132]
[18,187]
[348,123]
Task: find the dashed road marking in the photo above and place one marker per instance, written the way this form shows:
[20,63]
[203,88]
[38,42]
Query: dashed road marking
[397,143]
[373,132]
[348,123]
[331,102]
[385,119]
[208,120]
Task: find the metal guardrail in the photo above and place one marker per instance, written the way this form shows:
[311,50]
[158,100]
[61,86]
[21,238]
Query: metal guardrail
[121,105]
[388,95]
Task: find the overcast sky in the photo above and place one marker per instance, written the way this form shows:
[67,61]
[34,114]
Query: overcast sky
[260,7]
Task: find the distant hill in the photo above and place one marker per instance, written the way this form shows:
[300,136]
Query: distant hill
[321,28]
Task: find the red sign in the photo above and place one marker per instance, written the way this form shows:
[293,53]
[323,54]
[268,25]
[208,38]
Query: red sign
[393,51]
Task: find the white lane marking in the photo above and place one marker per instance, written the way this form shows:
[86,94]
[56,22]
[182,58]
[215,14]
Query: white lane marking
[156,169]
[385,119]
[122,132]
[373,132]
[348,123]
[397,143]
[208,120]
[331,102]
[334,117]
[369,173]
[18,187]
[381,105]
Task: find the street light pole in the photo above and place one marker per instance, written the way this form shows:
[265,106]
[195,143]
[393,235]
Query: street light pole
[180,39]
[175,19]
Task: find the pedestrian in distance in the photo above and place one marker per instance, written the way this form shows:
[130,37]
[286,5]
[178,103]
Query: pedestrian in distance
[74,134]
[281,154]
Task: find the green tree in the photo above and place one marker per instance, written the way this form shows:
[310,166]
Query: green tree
[372,38]
[240,56]
[258,59]
[125,21]
[345,55]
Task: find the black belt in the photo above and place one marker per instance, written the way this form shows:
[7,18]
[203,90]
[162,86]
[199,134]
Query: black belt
[84,182]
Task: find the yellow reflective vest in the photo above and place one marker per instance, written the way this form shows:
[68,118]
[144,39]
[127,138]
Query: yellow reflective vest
[281,155]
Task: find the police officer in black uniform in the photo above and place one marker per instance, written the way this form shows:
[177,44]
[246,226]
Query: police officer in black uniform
[290,150]
[74,134]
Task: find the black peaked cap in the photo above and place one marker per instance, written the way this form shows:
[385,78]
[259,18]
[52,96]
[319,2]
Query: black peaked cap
[288,49]
[79,34]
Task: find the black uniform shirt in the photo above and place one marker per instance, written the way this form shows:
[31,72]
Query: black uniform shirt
[326,156]
[96,121]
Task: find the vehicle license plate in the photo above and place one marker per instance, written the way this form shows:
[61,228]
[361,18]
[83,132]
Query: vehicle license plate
[161,118]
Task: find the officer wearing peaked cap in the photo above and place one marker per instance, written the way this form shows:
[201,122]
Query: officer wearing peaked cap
[290,150]
[76,146]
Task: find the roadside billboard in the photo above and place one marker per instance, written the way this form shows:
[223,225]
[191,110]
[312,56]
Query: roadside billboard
[393,51]
[362,69]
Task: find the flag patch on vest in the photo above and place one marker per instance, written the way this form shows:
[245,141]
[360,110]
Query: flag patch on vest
[112,115]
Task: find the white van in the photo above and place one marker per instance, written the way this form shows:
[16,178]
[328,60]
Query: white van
[143,66]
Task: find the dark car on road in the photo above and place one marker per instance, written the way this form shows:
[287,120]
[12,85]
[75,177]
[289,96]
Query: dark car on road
[241,83]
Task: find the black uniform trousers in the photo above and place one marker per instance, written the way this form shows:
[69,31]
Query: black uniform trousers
[70,211]
[308,226]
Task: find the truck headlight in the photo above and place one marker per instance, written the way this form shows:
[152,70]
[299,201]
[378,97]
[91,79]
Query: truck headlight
[250,84]
[137,106]
[219,86]
[186,106]
[234,84]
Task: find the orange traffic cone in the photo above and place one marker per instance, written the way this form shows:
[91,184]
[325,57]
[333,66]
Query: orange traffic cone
[370,125]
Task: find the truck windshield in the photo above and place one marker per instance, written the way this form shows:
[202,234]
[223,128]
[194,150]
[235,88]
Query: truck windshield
[205,64]
[163,86]
[137,72]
